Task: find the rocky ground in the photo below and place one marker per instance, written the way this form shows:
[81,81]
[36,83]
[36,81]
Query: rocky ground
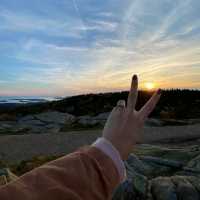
[164,165]
[22,147]
[55,122]
[158,173]
[154,172]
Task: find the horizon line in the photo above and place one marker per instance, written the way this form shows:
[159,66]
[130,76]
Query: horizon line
[63,96]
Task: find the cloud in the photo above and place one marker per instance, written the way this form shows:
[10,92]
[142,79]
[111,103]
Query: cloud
[20,22]
[100,25]
[71,26]
[156,42]
[106,14]
[109,68]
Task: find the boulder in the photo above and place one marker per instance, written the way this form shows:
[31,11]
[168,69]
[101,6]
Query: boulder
[194,181]
[102,116]
[26,118]
[162,162]
[183,155]
[134,164]
[153,174]
[87,121]
[32,126]
[6,125]
[195,163]
[162,188]
[55,117]
[7,122]
[53,128]
[31,123]
[185,190]
[9,127]
[132,189]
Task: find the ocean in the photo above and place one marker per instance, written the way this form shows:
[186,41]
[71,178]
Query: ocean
[26,99]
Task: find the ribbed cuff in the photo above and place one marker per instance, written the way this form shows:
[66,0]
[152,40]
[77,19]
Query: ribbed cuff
[106,146]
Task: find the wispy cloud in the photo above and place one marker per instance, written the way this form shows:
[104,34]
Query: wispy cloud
[29,23]
[160,42]
[69,27]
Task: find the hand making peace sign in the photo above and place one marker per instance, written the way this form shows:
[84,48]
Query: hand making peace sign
[125,124]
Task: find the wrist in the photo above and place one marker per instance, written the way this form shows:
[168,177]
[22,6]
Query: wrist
[122,149]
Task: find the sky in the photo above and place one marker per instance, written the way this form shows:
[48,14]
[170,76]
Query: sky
[69,47]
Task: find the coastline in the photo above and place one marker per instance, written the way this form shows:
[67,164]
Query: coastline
[12,100]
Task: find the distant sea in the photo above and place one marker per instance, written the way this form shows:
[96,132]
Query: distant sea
[25,99]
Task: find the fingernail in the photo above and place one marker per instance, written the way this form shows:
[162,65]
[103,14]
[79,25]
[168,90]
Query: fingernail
[135,77]
[159,91]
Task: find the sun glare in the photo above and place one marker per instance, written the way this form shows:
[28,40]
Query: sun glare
[149,85]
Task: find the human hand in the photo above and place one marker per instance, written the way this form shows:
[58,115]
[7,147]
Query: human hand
[125,124]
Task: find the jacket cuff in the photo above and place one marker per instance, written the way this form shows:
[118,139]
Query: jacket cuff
[106,147]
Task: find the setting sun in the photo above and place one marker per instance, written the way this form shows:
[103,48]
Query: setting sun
[149,85]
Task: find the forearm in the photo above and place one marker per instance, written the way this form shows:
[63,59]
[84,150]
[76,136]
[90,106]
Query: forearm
[85,174]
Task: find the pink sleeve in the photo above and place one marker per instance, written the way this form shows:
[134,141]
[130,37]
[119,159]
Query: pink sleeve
[105,146]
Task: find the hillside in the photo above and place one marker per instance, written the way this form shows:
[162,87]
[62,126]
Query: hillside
[173,104]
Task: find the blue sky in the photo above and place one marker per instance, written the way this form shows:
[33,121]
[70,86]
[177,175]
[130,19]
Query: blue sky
[69,47]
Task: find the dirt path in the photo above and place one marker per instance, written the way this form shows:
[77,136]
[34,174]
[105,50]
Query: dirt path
[22,147]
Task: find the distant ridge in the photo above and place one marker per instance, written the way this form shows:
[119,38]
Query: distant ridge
[176,103]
